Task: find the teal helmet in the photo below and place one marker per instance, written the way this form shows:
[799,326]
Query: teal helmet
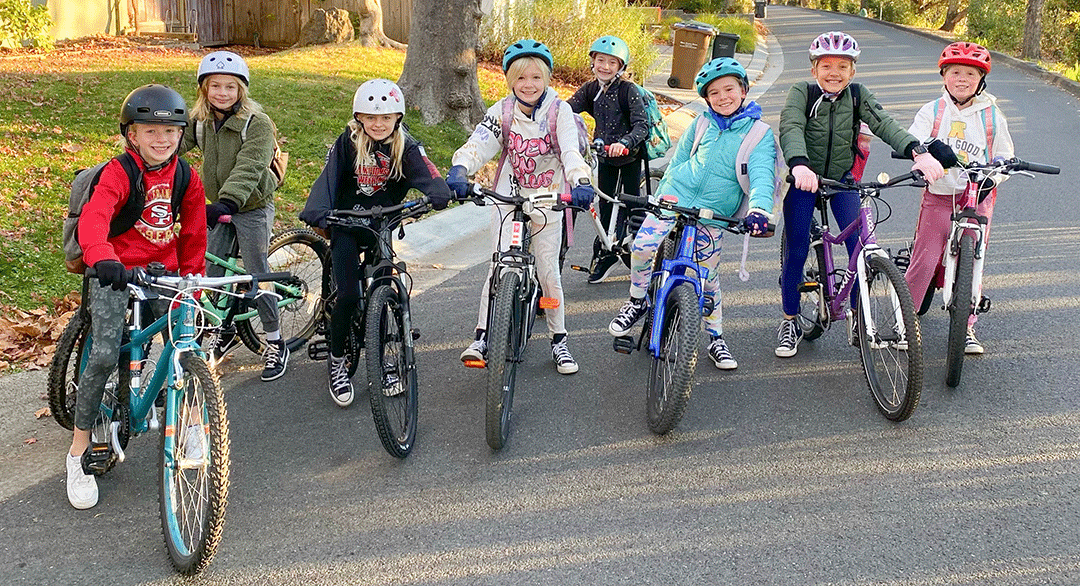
[527,48]
[611,45]
[717,68]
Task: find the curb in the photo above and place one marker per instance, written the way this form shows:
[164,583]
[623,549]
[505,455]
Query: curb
[442,230]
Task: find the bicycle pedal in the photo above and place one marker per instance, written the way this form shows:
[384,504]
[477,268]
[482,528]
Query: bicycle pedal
[318,349]
[708,305]
[98,460]
[473,363]
[415,333]
[809,286]
[623,344]
[548,303]
[984,305]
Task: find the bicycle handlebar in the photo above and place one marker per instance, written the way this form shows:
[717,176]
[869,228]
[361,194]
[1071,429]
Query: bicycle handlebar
[828,187]
[151,275]
[408,208]
[735,225]
[556,201]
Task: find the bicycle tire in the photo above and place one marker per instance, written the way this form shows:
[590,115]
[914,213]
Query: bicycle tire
[194,492]
[65,369]
[959,310]
[504,351]
[813,304]
[672,372]
[393,392]
[300,252]
[894,376]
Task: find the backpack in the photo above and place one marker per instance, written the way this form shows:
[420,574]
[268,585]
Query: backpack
[552,129]
[278,163]
[82,189]
[658,141]
[742,161]
[987,115]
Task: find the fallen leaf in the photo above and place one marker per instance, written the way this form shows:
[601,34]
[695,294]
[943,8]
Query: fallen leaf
[437,266]
[71,148]
[29,440]
[43,412]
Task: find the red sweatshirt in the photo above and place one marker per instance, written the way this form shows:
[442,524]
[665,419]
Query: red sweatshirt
[181,246]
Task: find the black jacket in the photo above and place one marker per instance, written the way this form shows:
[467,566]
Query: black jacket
[619,113]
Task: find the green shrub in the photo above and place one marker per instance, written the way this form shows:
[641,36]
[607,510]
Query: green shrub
[1061,20]
[998,25]
[20,23]
[569,34]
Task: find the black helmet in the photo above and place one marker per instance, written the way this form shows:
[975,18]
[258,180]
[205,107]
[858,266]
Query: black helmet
[153,104]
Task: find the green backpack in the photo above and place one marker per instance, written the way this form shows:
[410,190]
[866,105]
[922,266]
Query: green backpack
[659,140]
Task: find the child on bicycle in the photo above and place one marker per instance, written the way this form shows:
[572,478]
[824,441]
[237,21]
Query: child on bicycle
[966,118]
[152,122]
[533,165]
[819,127]
[237,141]
[374,162]
[619,112]
[705,178]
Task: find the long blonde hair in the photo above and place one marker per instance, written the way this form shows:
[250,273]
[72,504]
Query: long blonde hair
[202,110]
[365,145]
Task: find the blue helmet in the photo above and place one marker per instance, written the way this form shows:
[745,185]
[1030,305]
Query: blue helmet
[611,45]
[527,48]
[717,68]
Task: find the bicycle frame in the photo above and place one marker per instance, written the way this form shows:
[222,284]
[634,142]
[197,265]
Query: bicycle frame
[517,258]
[673,272]
[231,268]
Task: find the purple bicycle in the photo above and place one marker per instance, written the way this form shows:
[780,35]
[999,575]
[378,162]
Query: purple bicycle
[885,328]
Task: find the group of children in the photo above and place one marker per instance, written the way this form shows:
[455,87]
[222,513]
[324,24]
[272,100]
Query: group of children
[376,162]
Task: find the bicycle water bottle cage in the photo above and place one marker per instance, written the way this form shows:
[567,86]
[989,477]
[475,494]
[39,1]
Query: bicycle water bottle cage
[98,459]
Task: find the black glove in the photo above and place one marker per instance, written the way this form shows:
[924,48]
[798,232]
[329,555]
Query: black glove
[215,210]
[943,153]
[986,187]
[112,272]
[439,201]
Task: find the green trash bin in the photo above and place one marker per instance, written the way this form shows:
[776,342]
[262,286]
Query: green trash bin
[724,45]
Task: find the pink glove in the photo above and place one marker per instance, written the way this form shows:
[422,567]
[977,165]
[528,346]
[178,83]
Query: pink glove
[929,167]
[805,178]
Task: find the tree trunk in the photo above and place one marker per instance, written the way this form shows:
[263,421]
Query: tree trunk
[1029,49]
[370,32]
[953,18]
[439,76]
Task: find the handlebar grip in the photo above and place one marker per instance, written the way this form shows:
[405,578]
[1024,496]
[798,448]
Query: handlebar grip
[897,155]
[1037,168]
[280,276]
[638,200]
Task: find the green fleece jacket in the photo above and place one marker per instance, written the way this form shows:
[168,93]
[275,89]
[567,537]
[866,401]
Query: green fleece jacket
[234,169]
[824,141]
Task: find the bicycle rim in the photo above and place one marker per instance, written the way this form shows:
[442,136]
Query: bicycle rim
[893,375]
[960,308]
[391,374]
[672,372]
[504,342]
[195,470]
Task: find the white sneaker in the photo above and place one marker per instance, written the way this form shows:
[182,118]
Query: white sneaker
[721,356]
[82,488]
[788,336]
[194,442]
[972,345]
[563,360]
[475,351]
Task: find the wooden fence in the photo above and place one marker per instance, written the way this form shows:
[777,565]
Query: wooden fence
[277,23]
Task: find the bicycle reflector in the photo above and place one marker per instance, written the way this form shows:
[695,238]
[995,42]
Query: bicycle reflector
[473,363]
[548,303]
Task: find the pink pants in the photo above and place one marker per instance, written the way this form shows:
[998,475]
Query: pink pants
[931,236]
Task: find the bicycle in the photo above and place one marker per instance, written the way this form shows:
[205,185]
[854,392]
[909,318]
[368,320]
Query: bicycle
[677,301]
[193,423]
[964,253]
[514,294]
[382,324]
[886,329]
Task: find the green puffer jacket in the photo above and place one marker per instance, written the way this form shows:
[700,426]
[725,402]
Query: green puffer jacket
[824,142]
[233,169]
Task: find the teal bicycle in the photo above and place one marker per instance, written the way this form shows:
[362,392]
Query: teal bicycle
[162,384]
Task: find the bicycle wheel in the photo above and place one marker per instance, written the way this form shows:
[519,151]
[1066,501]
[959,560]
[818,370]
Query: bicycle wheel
[391,372]
[893,374]
[960,309]
[504,352]
[65,368]
[813,312]
[672,373]
[300,252]
[194,461]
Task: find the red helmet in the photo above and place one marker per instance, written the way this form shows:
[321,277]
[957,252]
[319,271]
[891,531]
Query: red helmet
[963,53]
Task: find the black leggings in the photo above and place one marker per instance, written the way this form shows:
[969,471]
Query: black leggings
[346,246]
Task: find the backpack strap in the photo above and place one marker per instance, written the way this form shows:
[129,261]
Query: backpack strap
[939,112]
[132,209]
[553,132]
[181,180]
[700,126]
[856,94]
[742,158]
[243,131]
[505,120]
[988,125]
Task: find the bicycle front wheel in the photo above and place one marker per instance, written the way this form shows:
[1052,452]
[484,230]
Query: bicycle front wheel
[391,372]
[300,252]
[504,352]
[890,341]
[960,309]
[672,373]
[194,469]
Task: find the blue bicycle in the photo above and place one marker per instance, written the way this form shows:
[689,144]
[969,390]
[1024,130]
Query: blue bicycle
[677,303]
[161,384]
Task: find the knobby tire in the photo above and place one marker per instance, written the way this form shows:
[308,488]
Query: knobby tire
[504,348]
[391,372]
[960,309]
[672,372]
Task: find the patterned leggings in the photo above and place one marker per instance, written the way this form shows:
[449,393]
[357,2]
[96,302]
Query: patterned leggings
[706,253]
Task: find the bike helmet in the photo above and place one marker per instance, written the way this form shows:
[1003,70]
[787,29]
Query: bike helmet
[225,62]
[834,43]
[611,45]
[153,104]
[527,48]
[717,68]
[963,53]
[378,96]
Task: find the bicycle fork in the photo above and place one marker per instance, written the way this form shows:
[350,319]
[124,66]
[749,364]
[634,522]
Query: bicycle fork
[961,223]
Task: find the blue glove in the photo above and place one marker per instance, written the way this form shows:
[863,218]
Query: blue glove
[756,223]
[112,272]
[221,207]
[458,181]
[581,196]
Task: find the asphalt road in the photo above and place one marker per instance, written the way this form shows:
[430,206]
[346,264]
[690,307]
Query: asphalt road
[781,472]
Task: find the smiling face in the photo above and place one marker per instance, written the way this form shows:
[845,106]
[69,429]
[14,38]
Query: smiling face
[961,81]
[154,142]
[833,73]
[725,95]
[606,67]
[222,91]
[378,126]
[529,85]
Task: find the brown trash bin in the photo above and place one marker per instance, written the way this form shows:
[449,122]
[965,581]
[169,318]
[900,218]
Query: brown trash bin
[691,48]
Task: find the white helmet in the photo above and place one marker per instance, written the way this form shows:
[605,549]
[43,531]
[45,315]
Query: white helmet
[225,62]
[378,96]
[834,43]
